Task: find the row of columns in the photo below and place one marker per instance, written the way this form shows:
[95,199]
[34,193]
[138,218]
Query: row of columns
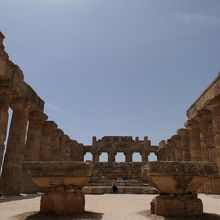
[112,156]
[31,138]
[176,148]
[199,142]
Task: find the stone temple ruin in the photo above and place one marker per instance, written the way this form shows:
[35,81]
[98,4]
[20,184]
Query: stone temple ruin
[40,157]
[127,173]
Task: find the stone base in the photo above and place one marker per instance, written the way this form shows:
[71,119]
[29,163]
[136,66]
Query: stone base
[185,205]
[62,203]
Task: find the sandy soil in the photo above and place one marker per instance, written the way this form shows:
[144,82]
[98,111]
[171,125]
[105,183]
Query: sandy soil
[105,207]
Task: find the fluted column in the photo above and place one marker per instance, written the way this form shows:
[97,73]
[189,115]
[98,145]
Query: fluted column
[13,163]
[216,130]
[204,121]
[171,151]
[55,144]
[46,140]
[4,107]
[184,138]
[68,148]
[128,156]
[32,148]
[77,152]
[34,134]
[194,136]
[62,147]
[177,145]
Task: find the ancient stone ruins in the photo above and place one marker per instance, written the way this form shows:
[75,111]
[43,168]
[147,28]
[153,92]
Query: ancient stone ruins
[37,156]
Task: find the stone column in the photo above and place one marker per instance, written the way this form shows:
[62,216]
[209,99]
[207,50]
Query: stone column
[4,107]
[128,156]
[68,148]
[216,129]
[185,148]
[55,144]
[77,152]
[34,134]
[194,136]
[144,155]
[177,144]
[171,151]
[111,156]
[204,120]
[32,148]
[215,182]
[46,140]
[160,153]
[95,157]
[62,146]
[13,162]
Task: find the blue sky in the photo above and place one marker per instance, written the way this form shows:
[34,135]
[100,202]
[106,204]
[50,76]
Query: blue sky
[115,67]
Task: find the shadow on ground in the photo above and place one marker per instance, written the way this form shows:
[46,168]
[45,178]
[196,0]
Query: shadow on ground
[41,216]
[205,216]
[15,198]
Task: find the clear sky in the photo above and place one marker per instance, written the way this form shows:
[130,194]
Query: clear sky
[115,67]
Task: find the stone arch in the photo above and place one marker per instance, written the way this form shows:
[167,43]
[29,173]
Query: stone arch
[120,157]
[136,157]
[152,157]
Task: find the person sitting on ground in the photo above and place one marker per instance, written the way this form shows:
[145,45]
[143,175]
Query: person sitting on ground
[114,187]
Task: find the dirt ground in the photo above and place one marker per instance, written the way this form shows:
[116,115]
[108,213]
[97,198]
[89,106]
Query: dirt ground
[100,207]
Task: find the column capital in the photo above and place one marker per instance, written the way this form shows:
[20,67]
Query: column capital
[37,116]
[20,104]
[191,124]
[182,132]
[58,132]
[176,137]
[50,125]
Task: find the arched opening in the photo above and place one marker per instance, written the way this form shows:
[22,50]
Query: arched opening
[152,157]
[88,156]
[136,157]
[120,157]
[103,157]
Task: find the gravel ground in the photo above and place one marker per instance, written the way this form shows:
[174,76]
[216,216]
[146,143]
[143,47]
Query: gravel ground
[105,207]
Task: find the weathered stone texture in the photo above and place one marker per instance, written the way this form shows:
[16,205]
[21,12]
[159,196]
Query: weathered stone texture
[177,183]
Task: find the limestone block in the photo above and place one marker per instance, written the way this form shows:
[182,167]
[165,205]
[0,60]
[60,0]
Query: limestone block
[176,206]
[62,203]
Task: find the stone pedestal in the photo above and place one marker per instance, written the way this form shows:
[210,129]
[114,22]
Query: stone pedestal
[177,183]
[63,182]
[173,205]
[62,202]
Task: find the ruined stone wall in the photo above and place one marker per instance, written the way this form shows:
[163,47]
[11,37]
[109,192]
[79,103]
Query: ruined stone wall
[127,173]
